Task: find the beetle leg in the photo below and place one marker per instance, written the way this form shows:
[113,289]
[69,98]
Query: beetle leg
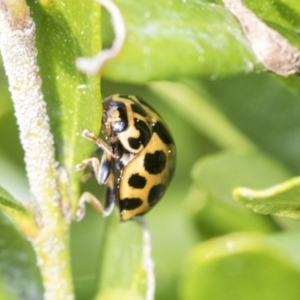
[87,197]
[100,143]
[102,170]
[87,162]
[111,194]
[94,162]
[110,200]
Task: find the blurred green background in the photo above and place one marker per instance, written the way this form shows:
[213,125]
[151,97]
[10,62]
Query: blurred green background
[231,129]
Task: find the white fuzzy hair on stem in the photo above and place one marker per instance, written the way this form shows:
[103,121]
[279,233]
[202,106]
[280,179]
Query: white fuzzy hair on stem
[93,65]
[17,45]
[148,263]
[20,61]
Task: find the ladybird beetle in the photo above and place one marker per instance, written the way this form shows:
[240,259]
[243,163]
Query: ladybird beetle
[137,163]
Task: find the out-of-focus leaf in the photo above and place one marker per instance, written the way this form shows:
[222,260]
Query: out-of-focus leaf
[288,241]
[122,259]
[64,31]
[281,200]
[5,293]
[18,268]
[119,294]
[264,111]
[242,266]
[6,200]
[282,12]
[173,39]
[198,110]
[291,83]
[12,176]
[21,216]
[214,179]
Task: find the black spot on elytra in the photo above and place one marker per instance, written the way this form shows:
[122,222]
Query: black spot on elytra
[134,143]
[138,109]
[156,193]
[163,132]
[144,137]
[154,163]
[130,203]
[136,181]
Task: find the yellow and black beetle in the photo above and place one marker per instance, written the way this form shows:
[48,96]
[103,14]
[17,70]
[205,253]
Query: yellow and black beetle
[138,162]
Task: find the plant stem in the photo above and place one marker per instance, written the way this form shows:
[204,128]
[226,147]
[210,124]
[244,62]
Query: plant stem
[20,61]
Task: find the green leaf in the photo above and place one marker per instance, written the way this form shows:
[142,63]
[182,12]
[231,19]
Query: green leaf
[195,105]
[6,200]
[242,266]
[212,206]
[122,259]
[65,31]
[266,112]
[19,271]
[280,200]
[5,293]
[282,12]
[175,39]
[118,294]
[23,218]
[291,83]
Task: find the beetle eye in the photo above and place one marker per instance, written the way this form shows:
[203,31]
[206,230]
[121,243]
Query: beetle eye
[115,117]
[119,126]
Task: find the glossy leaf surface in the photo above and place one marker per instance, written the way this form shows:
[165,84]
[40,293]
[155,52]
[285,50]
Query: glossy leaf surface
[242,266]
[175,39]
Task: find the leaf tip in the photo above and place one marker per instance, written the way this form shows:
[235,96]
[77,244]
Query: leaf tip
[242,195]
